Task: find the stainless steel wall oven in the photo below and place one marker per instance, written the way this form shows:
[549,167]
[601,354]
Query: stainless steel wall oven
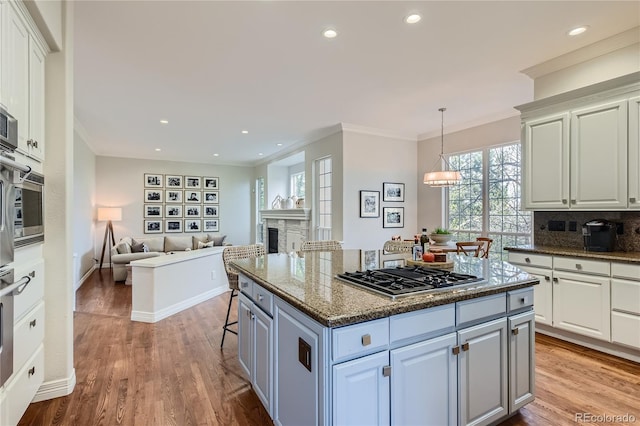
[28,213]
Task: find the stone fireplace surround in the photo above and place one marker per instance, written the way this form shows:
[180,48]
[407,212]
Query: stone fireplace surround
[293,225]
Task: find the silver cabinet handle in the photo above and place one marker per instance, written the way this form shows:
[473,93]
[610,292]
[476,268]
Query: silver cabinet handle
[386,371]
[32,371]
[578,266]
[632,200]
[515,331]
[465,346]
[244,284]
[527,260]
[564,201]
[32,323]
[573,201]
[366,340]
[555,280]
[546,278]
[260,298]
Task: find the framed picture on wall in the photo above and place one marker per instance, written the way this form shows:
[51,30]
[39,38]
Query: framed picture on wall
[173,211]
[210,197]
[393,217]
[192,196]
[173,181]
[192,225]
[210,183]
[173,225]
[173,196]
[210,211]
[152,196]
[192,211]
[153,211]
[369,203]
[152,226]
[192,182]
[211,225]
[392,191]
[153,181]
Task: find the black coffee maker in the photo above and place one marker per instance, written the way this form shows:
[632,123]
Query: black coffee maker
[599,235]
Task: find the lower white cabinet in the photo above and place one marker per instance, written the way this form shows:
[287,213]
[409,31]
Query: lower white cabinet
[581,304]
[521,360]
[482,372]
[540,267]
[625,312]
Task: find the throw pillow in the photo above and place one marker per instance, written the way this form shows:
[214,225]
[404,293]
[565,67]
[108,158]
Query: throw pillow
[202,245]
[137,247]
[145,248]
[123,248]
[218,240]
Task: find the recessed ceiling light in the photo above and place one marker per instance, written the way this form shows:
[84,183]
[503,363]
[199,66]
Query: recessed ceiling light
[278,144]
[260,153]
[158,150]
[244,132]
[413,18]
[330,33]
[216,154]
[578,30]
[164,121]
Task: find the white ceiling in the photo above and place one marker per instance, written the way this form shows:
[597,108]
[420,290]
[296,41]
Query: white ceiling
[214,68]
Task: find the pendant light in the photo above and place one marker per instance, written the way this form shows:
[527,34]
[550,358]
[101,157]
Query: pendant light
[446,177]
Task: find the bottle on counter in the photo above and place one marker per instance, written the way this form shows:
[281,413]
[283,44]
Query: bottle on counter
[424,241]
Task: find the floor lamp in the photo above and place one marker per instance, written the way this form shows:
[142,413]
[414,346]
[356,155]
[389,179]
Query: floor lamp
[108,214]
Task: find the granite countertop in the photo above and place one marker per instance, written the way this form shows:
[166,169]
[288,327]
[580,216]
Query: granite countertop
[617,256]
[307,281]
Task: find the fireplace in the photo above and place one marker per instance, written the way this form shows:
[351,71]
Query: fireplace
[272,240]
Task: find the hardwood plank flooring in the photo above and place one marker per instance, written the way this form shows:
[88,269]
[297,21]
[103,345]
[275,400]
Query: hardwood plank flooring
[174,373]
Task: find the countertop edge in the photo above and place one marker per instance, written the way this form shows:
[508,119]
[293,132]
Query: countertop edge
[626,257]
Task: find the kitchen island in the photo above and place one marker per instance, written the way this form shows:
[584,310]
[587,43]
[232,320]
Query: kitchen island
[321,351]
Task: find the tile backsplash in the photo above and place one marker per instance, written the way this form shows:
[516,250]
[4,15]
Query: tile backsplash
[628,241]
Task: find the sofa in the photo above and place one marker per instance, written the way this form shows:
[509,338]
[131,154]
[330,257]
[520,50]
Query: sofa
[129,249]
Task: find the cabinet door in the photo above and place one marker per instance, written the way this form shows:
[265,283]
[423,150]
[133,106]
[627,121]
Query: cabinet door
[18,74]
[245,332]
[634,153]
[599,156]
[581,303]
[521,360]
[361,391]
[3,62]
[542,294]
[424,383]
[482,367]
[36,101]
[546,163]
[262,377]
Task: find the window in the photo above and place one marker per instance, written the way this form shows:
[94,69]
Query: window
[487,201]
[297,185]
[323,212]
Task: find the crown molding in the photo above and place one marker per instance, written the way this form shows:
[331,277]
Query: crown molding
[487,119]
[355,128]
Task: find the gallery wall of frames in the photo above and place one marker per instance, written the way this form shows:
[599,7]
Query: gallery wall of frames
[177,203]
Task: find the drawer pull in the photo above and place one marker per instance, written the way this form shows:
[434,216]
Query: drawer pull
[564,201]
[573,201]
[32,323]
[546,278]
[632,200]
[244,284]
[555,280]
[260,298]
[366,340]
[32,274]
[32,371]
[578,266]
[523,300]
[455,350]
[465,346]
[527,260]
[515,331]
[386,371]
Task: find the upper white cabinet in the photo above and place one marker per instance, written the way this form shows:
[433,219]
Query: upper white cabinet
[577,151]
[3,54]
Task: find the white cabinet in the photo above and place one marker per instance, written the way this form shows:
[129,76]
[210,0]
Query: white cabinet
[424,383]
[3,61]
[482,373]
[625,304]
[546,162]
[361,391]
[35,142]
[245,347]
[634,153]
[521,360]
[599,156]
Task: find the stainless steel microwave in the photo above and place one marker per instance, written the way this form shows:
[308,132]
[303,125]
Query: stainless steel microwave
[29,208]
[8,131]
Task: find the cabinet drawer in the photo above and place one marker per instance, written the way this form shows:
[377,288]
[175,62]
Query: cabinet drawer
[485,308]
[245,285]
[422,324]
[27,336]
[519,300]
[625,329]
[626,270]
[574,264]
[24,385]
[539,260]
[625,296]
[360,339]
[263,299]
[33,292]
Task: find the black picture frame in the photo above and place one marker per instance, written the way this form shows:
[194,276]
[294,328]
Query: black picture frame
[369,203]
[393,217]
[393,192]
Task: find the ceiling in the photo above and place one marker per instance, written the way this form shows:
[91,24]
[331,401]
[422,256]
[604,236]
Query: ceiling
[213,69]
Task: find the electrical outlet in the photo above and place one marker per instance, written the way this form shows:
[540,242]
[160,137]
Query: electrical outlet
[556,225]
[573,226]
[619,228]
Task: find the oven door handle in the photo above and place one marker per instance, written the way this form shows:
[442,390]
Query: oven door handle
[14,164]
[15,287]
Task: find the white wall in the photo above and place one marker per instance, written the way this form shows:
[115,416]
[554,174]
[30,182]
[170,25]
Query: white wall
[84,173]
[370,160]
[120,183]
[430,200]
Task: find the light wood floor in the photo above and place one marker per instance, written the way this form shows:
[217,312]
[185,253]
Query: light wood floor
[174,373]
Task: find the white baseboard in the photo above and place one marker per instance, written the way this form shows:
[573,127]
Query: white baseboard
[84,277]
[156,316]
[56,388]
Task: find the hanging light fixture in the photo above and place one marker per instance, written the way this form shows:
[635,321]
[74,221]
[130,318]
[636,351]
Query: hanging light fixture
[446,177]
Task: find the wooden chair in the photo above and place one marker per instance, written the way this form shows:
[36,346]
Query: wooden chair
[398,246]
[321,245]
[469,247]
[232,253]
[484,249]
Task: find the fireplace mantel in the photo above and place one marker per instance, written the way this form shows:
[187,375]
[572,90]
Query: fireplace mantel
[291,214]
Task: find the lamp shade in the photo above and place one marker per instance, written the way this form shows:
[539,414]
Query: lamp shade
[109,213]
[442,178]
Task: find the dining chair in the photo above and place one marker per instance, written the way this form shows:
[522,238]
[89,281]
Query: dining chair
[469,247]
[321,245]
[398,246]
[484,249]
[233,253]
